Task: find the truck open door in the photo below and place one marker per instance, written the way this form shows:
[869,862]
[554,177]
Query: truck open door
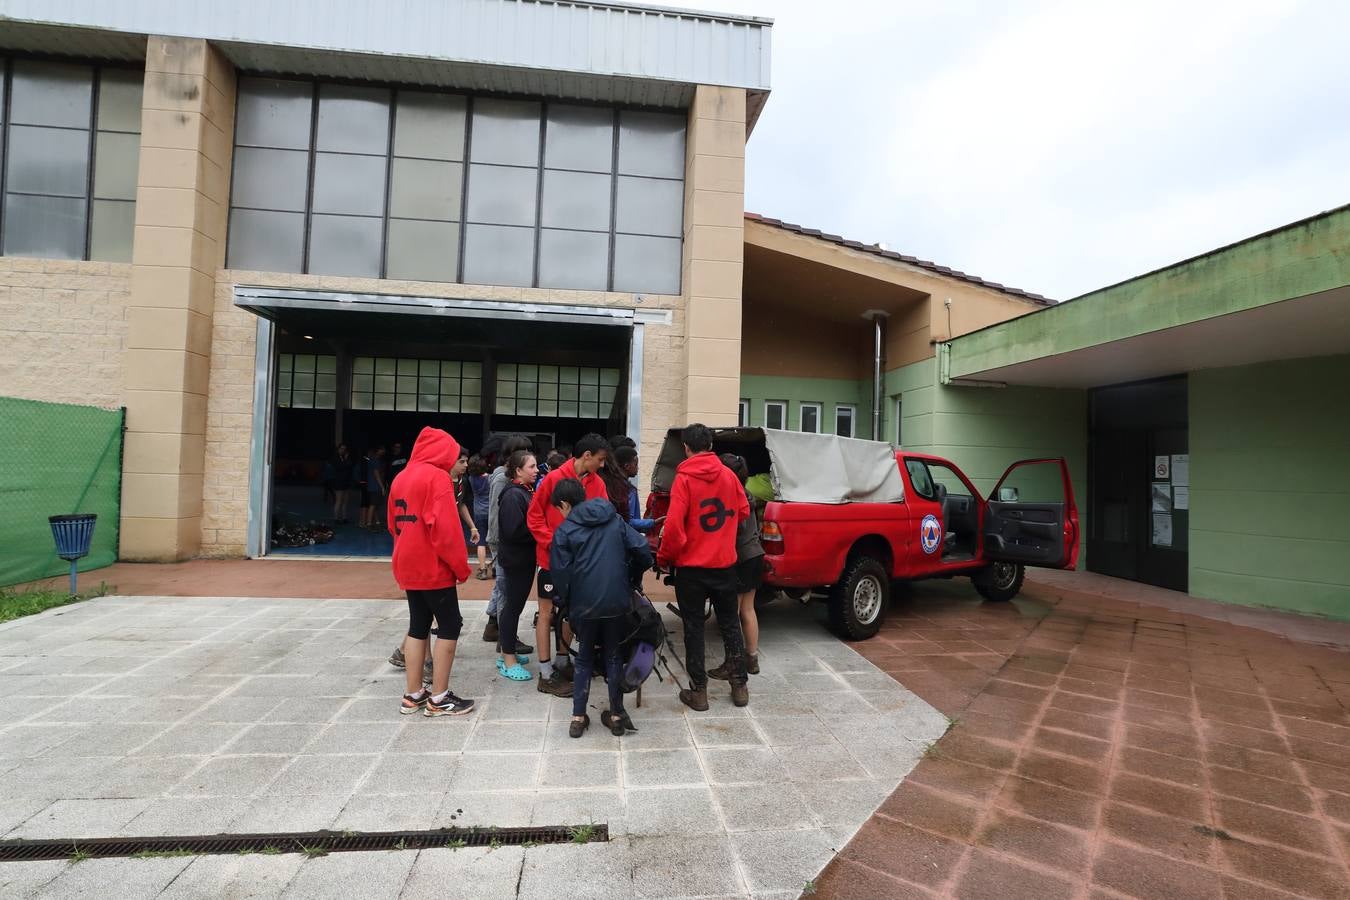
[1031,518]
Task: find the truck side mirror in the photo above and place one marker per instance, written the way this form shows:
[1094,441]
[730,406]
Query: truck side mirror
[1007,495]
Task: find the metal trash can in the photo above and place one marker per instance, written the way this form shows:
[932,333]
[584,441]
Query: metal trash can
[73,535]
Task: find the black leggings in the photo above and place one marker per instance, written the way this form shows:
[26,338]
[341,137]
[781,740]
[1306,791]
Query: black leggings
[442,605]
[516,584]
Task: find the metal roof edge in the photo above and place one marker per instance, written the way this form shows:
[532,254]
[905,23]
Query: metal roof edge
[665,10]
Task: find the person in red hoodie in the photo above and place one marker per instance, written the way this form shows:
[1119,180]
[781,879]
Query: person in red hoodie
[543,518]
[707,503]
[430,560]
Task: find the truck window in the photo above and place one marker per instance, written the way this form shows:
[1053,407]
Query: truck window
[919,477]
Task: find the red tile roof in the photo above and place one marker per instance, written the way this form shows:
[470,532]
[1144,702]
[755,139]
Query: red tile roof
[877,250]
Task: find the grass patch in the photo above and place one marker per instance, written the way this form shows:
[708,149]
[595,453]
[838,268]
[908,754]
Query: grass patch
[271,850]
[809,888]
[162,854]
[457,844]
[312,852]
[30,601]
[79,855]
[582,834]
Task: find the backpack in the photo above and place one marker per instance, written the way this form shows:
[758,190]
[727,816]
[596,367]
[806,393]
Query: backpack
[640,649]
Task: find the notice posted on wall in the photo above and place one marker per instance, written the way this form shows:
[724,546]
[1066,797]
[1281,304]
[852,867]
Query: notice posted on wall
[1162,530]
[1181,469]
[1162,497]
[1181,497]
[1162,467]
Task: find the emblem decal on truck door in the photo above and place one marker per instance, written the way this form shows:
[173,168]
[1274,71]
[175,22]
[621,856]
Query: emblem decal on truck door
[930,533]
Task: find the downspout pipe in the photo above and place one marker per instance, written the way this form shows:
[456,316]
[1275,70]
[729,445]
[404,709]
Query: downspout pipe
[878,318]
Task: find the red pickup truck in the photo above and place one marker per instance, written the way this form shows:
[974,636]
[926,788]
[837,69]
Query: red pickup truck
[848,518]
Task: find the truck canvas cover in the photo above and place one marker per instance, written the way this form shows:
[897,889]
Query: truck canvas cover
[804,468]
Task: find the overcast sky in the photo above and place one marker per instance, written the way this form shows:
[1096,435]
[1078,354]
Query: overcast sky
[1057,147]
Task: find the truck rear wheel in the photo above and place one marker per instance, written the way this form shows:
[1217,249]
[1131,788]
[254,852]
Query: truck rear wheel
[859,599]
[999,583]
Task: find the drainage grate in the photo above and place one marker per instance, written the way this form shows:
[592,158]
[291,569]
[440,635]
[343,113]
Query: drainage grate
[314,843]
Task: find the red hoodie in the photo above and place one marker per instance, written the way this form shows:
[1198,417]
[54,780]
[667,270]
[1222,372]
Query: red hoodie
[707,502]
[544,518]
[429,552]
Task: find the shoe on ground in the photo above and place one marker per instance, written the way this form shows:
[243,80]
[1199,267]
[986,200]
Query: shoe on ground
[577,729]
[617,724]
[567,670]
[752,663]
[556,685]
[721,673]
[397,660]
[450,706]
[695,699]
[490,632]
[522,648]
[740,694]
[413,702]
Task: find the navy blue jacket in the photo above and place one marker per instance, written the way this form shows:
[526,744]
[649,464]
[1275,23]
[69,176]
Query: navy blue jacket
[591,558]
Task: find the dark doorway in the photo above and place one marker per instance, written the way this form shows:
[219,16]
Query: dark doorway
[1139,482]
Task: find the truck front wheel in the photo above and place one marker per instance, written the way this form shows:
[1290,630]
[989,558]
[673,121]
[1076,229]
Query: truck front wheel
[1000,582]
[858,600]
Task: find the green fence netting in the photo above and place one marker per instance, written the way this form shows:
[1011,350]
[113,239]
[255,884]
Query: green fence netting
[56,459]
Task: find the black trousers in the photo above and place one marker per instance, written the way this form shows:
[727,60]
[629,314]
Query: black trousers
[516,584]
[692,588]
[609,634]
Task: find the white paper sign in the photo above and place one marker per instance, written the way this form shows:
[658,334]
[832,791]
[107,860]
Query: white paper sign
[1162,497]
[1162,530]
[1181,497]
[1162,466]
[1181,469]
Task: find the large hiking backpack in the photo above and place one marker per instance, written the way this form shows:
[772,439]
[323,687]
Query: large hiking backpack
[646,634]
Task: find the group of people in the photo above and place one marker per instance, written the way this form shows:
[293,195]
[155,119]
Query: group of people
[575,534]
[366,480]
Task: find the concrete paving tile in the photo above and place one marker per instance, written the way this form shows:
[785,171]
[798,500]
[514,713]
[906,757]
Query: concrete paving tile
[672,734]
[700,864]
[759,765]
[652,768]
[822,763]
[410,812]
[341,876]
[288,687]
[24,879]
[408,773]
[360,737]
[503,808]
[322,775]
[192,738]
[309,813]
[719,732]
[245,710]
[270,737]
[80,818]
[22,741]
[672,811]
[469,873]
[526,705]
[762,807]
[231,776]
[186,817]
[367,710]
[234,877]
[591,769]
[422,735]
[844,803]
[490,737]
[134,878]
[580,808]
[55,777]
[602,871]
[146,777]
[16,810]
[782,860]
[495,771]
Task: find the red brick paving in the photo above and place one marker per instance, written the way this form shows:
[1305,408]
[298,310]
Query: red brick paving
[1116,742]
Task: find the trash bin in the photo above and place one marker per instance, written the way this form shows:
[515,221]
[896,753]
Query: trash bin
[73,535]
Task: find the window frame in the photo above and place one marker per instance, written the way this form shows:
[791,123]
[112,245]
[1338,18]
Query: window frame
[92,130]
[852,410]
[899,419]
[743,413]
[783,414]
[463,223]
[802,407]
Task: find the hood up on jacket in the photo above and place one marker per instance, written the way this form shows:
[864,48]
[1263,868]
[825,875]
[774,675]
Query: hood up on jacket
[593,513]
[436,448]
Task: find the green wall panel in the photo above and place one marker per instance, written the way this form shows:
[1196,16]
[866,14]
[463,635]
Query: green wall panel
[828,392]
[1269,495]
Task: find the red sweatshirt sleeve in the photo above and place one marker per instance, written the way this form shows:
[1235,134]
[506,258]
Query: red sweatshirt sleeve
[537,517]
[673,537]
[447,536]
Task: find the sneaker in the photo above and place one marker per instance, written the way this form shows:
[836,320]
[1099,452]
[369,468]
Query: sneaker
[396,659]
[413,702]
[556,685]
[490,632]
[450,706]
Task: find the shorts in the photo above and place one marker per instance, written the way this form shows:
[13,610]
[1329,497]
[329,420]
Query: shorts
[749,574]
[546,589]
[481,525]
[442,605]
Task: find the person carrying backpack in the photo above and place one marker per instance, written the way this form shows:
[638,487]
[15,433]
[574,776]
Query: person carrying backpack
[593,560]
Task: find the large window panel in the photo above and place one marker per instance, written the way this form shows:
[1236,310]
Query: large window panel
[353,119]
[429,126]
[578,260]
[426,189]
[266,241]
[502,195]
[111,230]
[119,100]
[345,245]
[505,132]
[272,113]
[495,254]
[115,157]
[270,179]
[579,137]
[651,144]
[50,227]
[47,93]
[422,250]
[48,161]
[350,185]
[646,264]
[576,200]
[650,206]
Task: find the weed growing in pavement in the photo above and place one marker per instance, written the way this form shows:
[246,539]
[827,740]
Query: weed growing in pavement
[495,844]
[809,888]
[312,852]
[271,850]
[582,834]
[456,844]
[245,851]
[402,844]
[79,855]
[162,854]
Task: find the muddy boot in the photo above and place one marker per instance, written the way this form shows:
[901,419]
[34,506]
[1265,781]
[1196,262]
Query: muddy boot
[752,663]
[696,699]
[740,694]
[721,673]
[490,632]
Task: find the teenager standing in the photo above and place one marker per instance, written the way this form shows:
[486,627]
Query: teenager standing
[429,561]
[516,559]
[749,575]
